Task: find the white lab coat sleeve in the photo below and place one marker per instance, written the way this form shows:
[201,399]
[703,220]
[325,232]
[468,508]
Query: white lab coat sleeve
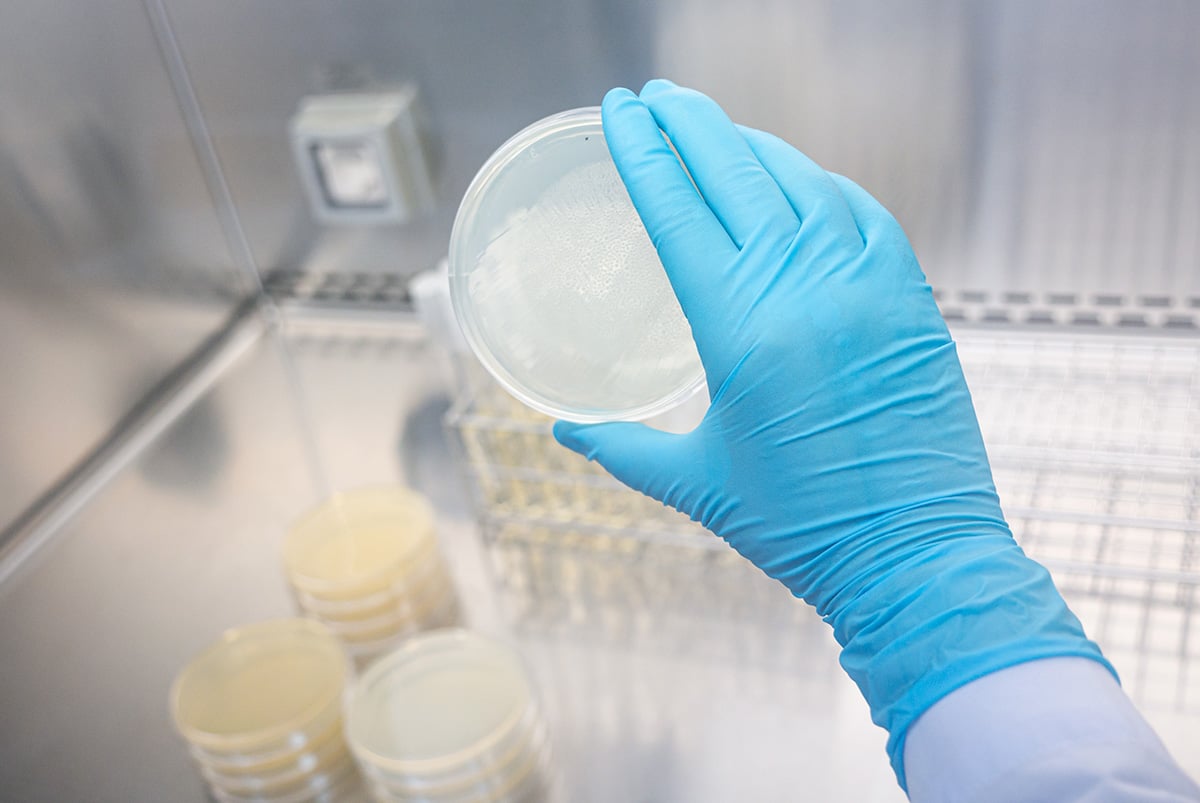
[1058,729]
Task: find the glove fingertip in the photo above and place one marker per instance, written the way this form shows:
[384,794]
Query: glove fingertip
[657,85]
[572,436]
[617,95]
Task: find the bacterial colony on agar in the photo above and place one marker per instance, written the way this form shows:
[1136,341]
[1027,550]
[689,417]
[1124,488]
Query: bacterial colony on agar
[564,293]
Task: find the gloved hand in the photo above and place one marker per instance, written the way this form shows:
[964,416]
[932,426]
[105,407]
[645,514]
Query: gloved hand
[840,452]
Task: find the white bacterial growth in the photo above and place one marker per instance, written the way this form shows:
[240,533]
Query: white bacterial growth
[574,303]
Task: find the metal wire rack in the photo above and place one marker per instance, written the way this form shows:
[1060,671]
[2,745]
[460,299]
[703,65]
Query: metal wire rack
[571,549]
[1095,446]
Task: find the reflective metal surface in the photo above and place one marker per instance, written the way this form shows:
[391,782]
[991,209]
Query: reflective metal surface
[1042,156]
[185,542]
[113,264]
[180,546]
[1030,149]
[168,400]
[1039,155]
[485,70]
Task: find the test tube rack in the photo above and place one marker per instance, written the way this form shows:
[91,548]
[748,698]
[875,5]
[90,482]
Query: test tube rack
[574,551]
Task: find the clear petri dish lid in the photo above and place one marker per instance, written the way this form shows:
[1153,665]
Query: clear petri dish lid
[330,760]
[260,685]
[557,287]
[523,783]
[359,542]
[337,786]
[437,702]
[325,734]
[505,765]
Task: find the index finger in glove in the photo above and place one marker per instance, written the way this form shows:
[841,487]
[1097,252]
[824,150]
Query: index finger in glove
[691,242]
[735,185]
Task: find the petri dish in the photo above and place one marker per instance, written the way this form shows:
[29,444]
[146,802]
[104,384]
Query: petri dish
[323,736]
[376,629]
[338,786]
[502,768]
[423,584]
[439,702]
[331,760]
[363,652]
[400,619]
[359,542]
[260,686]
[557,287]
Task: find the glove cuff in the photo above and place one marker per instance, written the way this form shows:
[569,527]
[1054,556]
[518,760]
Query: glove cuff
[936,622]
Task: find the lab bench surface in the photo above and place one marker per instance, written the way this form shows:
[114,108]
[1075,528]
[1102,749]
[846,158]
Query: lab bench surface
[1095,445]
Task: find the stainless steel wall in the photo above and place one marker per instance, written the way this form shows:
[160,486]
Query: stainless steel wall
[1088,173]
[1028,147]
[485,70]
[113,261]
[1033,150]
[1049,147]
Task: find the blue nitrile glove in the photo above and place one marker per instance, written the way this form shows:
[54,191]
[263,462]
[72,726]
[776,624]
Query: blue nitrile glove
[840,453]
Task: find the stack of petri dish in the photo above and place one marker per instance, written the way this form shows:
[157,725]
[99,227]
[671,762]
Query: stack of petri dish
[450,717]
[261,711]
[366,563]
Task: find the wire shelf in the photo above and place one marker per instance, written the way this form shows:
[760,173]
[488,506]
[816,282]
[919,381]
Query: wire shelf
[1094,398]
[1095,447]
[574,551]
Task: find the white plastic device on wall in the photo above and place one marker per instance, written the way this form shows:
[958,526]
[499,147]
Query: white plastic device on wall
[364,157]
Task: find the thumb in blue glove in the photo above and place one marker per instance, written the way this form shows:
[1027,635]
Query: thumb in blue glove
[840,452]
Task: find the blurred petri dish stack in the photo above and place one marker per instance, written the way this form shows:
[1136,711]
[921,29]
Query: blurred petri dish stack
[366,564]
[449,717]
[261,712]
[557,287]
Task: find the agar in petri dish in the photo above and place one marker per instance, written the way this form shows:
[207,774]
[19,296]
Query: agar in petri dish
[359,541]
[259,684]
[557,287]
[436,703]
